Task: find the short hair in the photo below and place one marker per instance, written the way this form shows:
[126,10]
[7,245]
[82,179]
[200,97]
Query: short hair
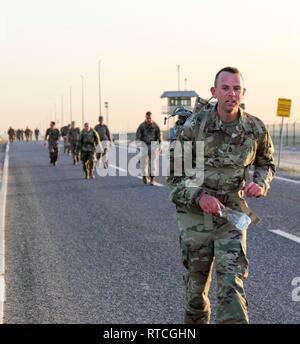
[148,113]
[52,122]
[100,117]
[232,70]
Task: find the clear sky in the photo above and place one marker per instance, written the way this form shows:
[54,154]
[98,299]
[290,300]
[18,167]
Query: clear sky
[46,45]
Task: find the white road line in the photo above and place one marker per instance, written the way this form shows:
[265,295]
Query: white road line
[3,192]
[288,180]
[123,170]
[286,235]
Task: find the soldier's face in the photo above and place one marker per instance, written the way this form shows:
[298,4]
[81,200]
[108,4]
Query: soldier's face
[229,91]
[148,119]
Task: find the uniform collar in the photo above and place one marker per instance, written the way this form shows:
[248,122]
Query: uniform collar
[217,122]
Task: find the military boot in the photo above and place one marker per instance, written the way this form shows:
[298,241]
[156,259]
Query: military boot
[152,181]
[91,174]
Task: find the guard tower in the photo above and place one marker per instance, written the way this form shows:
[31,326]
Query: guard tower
[174,99]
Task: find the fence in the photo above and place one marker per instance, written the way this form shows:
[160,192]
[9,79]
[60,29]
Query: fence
[290,133]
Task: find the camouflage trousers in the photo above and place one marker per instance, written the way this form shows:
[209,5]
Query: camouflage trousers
[73,151]
[66,145]
[88,161]
[205,241]
[53,151]
[148,160]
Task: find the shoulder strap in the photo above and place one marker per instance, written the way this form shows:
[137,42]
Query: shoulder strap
[200,129]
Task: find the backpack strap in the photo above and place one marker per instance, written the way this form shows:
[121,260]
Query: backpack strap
[200,129]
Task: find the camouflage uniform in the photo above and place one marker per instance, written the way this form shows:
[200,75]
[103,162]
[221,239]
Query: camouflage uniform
[12,134]
[36,132]
[53,137]
[87,143]
[105,138]
[27,134]
[64,133]
[73,138]
[149,133]
[229,150]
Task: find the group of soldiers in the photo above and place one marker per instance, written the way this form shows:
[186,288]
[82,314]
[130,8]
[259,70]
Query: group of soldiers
[88,145]
[233,141]
[18,134]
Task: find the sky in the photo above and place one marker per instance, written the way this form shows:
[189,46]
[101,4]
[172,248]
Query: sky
[45,47]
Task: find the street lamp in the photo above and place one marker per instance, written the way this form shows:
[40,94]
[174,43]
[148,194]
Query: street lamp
[82,99]
[178,72]
[70,104]
[99,77]
[106,107]
[62,110]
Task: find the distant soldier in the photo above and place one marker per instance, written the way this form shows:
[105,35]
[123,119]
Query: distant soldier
[36,133]
[105,138]
[52,135]
[27,134]
[21,134]
[11,134]
[64,133]
[73,138]
[18,134]
[182,114]
[149,133]
[88,141]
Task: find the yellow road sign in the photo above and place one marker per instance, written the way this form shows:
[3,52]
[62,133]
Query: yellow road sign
[284,107]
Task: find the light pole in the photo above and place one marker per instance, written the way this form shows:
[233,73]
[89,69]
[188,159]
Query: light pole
[70,104]
[99,79]
[178,71]
[106,107]
[62,110]
[55,119]
[82,99]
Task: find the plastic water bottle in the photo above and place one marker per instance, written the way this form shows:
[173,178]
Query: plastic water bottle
[240,220]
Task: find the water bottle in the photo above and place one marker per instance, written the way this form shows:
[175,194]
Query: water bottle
[240,220]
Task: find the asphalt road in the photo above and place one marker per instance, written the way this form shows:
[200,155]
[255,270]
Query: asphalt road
[106,250]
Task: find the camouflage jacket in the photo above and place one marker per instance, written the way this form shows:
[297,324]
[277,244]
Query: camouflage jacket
[228,152]
[11,132]
[88,141]
[53,134]
[103,132]
[64,130]
[73,135]
[148,132]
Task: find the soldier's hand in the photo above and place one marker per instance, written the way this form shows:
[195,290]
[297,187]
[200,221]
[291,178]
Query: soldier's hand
[210,204]
[253,190]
